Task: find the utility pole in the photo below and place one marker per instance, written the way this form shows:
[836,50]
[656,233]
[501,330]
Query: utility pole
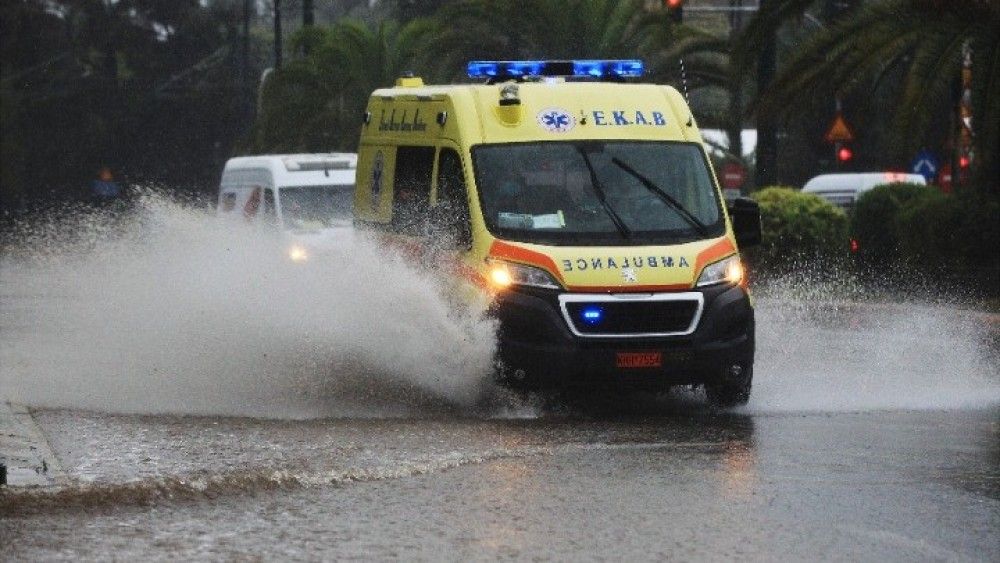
[734,128]
[277,34]
[308,19]
[245,98]
[767,136]
[308,13]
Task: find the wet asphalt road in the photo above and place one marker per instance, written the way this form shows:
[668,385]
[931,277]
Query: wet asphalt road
[669,480]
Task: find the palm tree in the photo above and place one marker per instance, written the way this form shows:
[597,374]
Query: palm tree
[919,40]
[574,29]
[599,29]
[315,103]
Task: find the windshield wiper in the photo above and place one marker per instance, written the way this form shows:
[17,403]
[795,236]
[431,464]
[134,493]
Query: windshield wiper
[667,198]
[599,190]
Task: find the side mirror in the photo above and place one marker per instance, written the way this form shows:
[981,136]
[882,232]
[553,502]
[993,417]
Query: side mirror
[745,215]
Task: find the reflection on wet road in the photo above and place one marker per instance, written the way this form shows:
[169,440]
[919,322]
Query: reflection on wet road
[682,482]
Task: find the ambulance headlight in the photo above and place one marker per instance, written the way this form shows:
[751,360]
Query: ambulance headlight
[727,270]
[505,274]
[297,253]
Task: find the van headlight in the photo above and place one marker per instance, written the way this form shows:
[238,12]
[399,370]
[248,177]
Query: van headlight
[504,274]
[297,253]
[727,270]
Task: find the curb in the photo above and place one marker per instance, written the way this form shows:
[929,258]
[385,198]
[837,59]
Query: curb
[25,453]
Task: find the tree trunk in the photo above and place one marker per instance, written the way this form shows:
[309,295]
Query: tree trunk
[767,137]
[277,34]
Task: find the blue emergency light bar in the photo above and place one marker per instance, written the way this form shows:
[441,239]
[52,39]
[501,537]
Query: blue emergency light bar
[581,69]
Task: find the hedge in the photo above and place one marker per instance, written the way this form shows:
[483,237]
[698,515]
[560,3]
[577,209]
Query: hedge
[875,220]
[797,226]
[939,238]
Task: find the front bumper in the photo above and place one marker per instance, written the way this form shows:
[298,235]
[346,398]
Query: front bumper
[538,349]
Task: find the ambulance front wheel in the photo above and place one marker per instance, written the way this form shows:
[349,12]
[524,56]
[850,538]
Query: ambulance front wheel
[732,389]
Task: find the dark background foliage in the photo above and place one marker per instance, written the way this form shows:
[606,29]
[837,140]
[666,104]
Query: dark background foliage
[164,91]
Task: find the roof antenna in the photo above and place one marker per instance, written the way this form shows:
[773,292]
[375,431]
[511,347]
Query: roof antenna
[684,83]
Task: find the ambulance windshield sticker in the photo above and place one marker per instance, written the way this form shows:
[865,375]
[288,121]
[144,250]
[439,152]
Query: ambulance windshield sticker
[376,185]
[556,120]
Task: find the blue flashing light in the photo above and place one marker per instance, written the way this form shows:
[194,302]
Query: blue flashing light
[628,68]
[480,69]
[588,68]
[592,315]
[525,68]
[579,68]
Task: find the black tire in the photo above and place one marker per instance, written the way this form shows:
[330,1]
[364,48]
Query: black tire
[729,391]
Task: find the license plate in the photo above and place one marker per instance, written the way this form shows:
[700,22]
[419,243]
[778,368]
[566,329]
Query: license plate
[639,360]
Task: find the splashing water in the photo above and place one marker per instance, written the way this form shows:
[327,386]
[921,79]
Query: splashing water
[177,311]
[171,310]
[827,351]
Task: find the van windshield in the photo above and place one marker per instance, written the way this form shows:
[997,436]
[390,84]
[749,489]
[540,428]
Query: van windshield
[316,207]
[597,192]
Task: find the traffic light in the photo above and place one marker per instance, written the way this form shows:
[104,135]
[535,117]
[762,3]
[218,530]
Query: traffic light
[844,154]
[676,9]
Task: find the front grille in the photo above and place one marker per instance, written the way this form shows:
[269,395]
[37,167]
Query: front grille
[655,315]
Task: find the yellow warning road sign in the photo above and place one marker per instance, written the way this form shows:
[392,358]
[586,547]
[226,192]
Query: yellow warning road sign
[839,131]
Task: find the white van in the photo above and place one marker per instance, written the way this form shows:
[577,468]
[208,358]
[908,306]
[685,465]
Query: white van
[308,196]
[843,190]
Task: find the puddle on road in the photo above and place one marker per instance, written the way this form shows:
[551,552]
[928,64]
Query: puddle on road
[170,310]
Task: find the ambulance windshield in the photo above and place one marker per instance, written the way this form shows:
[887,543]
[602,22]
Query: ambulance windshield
[316,207]
[597,193]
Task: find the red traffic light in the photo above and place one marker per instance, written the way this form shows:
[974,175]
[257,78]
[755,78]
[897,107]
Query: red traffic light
[673,4]
[963,161]
[844,154]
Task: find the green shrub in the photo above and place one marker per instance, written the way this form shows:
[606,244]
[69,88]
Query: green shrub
[914,234]
[798,226]
[953,238]
[875,220]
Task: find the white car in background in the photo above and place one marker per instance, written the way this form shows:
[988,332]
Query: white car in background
[843,190]
[310,197]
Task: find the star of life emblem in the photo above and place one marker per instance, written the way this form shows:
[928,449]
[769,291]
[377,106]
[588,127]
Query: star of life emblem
[630,275]
[556,120]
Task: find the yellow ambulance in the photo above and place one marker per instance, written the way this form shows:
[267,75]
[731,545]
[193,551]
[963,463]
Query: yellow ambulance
[585,206]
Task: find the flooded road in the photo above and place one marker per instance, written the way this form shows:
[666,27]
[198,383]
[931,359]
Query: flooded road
[195,417]
[681,483]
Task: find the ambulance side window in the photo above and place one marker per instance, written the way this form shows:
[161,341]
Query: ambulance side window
[451,214]
[411,190]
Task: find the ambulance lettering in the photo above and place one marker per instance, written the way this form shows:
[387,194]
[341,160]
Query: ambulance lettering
[619,118]
[629,263]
